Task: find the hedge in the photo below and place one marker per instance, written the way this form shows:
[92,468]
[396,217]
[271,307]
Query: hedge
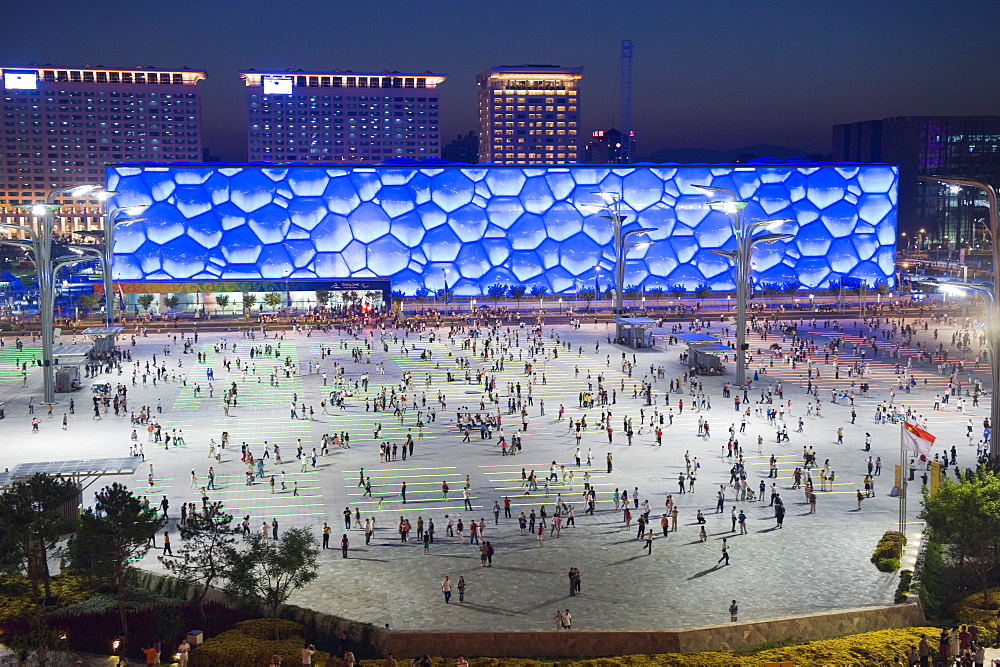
[972,610]
[888,551]
[251,643]
[867,649]
[17,601]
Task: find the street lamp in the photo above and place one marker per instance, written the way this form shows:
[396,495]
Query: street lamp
[45,268]
[993,330]
[613,207]
[746,239]
[106,254]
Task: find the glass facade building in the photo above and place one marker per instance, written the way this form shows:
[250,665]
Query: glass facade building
[471,227]
[960,146]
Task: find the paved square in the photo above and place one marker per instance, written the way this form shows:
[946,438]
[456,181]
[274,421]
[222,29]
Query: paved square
[816,562]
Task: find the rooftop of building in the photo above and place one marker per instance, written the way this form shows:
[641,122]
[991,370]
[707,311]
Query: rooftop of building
[99,74]
[436,163]
[253,77]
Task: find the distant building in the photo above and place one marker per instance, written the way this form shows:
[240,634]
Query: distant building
[962,146]
[464,148]
[606,147]
[63,124]
[529,114]
[296,116]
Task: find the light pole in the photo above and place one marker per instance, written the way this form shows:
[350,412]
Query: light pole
[993,329]
[745,242]
[45,268]
[613,207]
[106,254]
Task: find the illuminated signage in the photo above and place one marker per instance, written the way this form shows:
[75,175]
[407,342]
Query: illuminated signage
[20,80]
[277,85]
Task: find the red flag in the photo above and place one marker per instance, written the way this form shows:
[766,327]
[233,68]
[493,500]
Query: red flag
[915,439]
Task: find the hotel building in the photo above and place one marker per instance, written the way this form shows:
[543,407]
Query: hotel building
[529,114]
[342,116]
[62,125]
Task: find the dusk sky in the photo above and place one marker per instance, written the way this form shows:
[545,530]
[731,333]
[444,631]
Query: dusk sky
[714,74]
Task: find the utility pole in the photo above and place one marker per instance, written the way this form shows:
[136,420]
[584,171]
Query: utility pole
[625,103]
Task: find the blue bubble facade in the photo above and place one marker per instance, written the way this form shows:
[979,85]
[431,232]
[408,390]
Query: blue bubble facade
[475,226]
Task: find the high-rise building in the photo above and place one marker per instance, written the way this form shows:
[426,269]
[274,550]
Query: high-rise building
[607,147]
[463,148]
[961,146]
[296,116]
[62,125]
[529,113]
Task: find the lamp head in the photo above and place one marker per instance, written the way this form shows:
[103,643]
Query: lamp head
[82,190]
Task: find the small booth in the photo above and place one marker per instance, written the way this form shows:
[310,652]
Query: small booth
[632,331]
[103,337]
[705,352]
[68,359]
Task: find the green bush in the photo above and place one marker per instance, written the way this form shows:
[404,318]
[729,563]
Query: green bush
[135,599]
[870,648]
[888,551]
[325,630]
[17,600]
[249,644]
[972,610]
[903,590]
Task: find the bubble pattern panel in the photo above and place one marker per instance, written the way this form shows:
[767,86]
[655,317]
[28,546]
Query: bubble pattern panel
[475,226]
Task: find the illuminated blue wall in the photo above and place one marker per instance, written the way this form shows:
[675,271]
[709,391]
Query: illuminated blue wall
[482,225]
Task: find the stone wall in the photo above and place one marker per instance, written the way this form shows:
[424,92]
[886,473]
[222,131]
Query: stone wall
[576,643]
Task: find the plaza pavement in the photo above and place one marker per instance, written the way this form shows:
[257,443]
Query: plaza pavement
[815,563]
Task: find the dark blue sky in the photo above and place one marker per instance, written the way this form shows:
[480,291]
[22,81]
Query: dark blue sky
[715,74]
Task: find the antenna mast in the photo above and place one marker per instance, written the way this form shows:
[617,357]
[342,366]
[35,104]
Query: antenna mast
[625,103]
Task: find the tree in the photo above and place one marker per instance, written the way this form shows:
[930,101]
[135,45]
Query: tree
[145,301]
[496,292]
[539,290]
[114,535]
[89,301]
[171,302]
[965,517]
[201,560]
[267,572]
[517,293]
[31,521]
[272,299]
[587,295]
[222,301]
[350,297]
[249,300]
[322,297]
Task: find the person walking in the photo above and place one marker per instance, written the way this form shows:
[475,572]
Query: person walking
[461,589]
[725,552]
[166,544]
[344,543]
[446,589]
[326,536]
[649,543]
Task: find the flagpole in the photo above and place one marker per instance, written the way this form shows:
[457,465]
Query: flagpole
[902,479]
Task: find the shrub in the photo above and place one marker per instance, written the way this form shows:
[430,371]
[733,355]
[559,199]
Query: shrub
[972,610]
[248,644]
[903,590]
[870,648]
[325,630]
[888,551]
[16,599]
